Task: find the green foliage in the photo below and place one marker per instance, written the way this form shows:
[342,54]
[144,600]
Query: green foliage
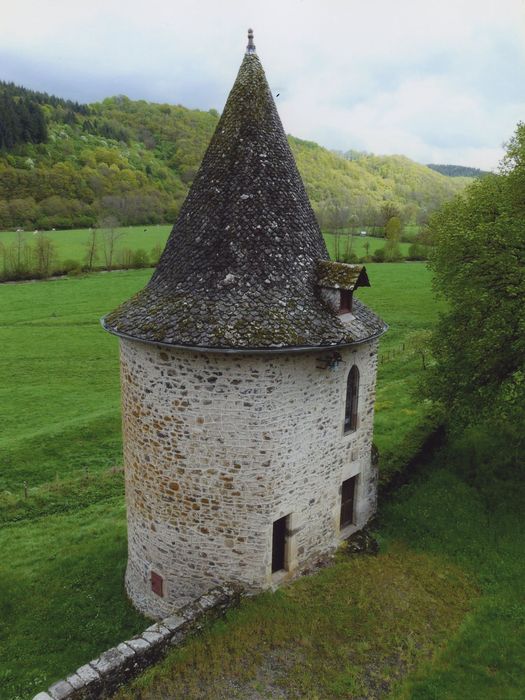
[379,255]
[417,251]
[21,121]
[136,161]
[457,170]
[393,236]
[393,229]
[478,263]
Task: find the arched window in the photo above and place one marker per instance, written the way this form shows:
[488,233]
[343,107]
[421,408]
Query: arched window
[352,395]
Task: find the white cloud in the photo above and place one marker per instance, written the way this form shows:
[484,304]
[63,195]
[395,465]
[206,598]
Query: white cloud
[436,80]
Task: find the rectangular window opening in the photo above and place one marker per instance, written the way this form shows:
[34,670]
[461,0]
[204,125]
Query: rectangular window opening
[348,491]
[279,544]
[345,301]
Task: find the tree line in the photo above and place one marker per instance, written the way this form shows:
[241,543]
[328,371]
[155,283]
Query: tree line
[458,170]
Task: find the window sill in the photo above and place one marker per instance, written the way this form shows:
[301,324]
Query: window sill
[279,576]
[348,530]
[349,433]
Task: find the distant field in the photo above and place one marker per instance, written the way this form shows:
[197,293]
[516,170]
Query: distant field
[63,547]
[71,245]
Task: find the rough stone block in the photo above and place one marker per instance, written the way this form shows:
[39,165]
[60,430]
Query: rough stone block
[138,644]
[107,662]
[159,629]
[125,650]
[88,674]
[75,680]
[174,623]
[154,637]
[207,602]
[43,696]
[61,690]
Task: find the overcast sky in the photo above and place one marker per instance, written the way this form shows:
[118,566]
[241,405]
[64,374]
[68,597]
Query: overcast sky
[440,81]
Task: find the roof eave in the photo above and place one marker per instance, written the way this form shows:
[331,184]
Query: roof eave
[246,351]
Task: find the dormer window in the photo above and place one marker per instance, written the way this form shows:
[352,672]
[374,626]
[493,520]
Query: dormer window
[345,301]
[337,282]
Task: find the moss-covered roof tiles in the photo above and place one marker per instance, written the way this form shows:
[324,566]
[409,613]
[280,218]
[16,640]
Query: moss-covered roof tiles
[337,275]
[239,270]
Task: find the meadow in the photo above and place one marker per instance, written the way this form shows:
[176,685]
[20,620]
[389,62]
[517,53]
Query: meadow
[430,605]
[71,245]
[59,388]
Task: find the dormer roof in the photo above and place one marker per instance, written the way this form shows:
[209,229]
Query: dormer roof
[240,268]
[337,275]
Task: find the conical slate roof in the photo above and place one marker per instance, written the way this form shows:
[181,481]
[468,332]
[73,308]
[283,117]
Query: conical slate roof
[239,270]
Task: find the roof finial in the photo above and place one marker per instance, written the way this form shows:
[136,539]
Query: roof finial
[251,46]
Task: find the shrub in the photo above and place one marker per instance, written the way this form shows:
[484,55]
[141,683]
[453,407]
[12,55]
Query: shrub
[379,255]
[68,266]
[140,258]
[417,252]
[349,258]
[393,252]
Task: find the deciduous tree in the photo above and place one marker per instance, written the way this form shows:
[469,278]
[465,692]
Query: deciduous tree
[91,246]
[478,262]
[110,237]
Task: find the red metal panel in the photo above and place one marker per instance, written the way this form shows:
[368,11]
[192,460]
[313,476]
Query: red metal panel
[157,584]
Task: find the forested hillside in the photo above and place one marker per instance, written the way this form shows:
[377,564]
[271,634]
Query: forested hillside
[458,170]
[134,161]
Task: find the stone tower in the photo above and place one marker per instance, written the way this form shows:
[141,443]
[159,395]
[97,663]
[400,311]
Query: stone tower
[248,377]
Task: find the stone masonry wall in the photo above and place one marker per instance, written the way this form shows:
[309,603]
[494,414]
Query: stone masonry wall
[218,446]
[101,677]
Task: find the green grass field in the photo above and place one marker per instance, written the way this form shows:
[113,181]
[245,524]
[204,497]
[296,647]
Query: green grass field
[64,547]
[439,614]
[71,245]
[60,410]
[59,388]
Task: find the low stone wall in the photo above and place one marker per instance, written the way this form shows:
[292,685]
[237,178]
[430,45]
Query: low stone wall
[101,677]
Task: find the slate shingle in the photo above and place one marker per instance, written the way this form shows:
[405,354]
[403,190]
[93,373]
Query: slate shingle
[239,270]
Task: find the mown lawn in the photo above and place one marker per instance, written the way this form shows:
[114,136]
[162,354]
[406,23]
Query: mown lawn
[64,544]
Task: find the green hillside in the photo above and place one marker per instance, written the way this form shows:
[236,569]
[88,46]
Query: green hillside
[134,161]
[458,170]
